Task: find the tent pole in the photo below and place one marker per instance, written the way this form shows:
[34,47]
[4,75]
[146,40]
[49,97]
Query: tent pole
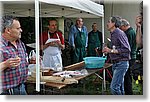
[37,45]
[104,80]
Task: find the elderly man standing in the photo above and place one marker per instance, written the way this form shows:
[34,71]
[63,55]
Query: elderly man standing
[13,58]
[78,39]
[119,54]
[129,31]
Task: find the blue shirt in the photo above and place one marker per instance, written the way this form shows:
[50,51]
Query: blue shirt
[120,41]
[73,34]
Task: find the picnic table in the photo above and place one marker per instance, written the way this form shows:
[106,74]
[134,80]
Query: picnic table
[56,82]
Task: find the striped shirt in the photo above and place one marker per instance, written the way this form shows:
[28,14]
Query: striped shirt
[11,77]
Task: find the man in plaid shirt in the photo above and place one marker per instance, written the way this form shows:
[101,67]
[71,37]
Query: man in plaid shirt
[13,58]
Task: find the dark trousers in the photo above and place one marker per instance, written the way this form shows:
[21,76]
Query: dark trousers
[128,80]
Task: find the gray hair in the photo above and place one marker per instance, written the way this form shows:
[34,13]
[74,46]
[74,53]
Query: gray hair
[124,22]
[6,22]
[116,20]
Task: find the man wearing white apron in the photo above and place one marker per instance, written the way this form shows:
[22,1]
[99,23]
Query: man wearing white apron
[52,42]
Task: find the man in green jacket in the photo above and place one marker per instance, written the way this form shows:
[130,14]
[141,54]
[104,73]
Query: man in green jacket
[94,41]
[129,31]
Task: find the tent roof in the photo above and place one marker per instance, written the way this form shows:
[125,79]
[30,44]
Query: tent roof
[55,8]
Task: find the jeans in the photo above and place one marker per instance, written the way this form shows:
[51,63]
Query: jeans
[117,84]
[18,90]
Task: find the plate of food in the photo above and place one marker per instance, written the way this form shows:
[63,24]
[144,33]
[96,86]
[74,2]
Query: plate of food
[68,73]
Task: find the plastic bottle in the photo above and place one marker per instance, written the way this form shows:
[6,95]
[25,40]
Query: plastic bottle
[113,47]
[32,57]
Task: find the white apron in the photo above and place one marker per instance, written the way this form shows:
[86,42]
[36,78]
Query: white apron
[52,56]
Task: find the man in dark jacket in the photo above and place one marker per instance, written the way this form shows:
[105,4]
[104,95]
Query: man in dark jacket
[94,41]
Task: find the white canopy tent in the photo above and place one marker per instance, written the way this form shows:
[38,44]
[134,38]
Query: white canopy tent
[74,8]
[53,8]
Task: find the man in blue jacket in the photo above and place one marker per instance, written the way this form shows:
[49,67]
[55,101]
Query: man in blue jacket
[78,38]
